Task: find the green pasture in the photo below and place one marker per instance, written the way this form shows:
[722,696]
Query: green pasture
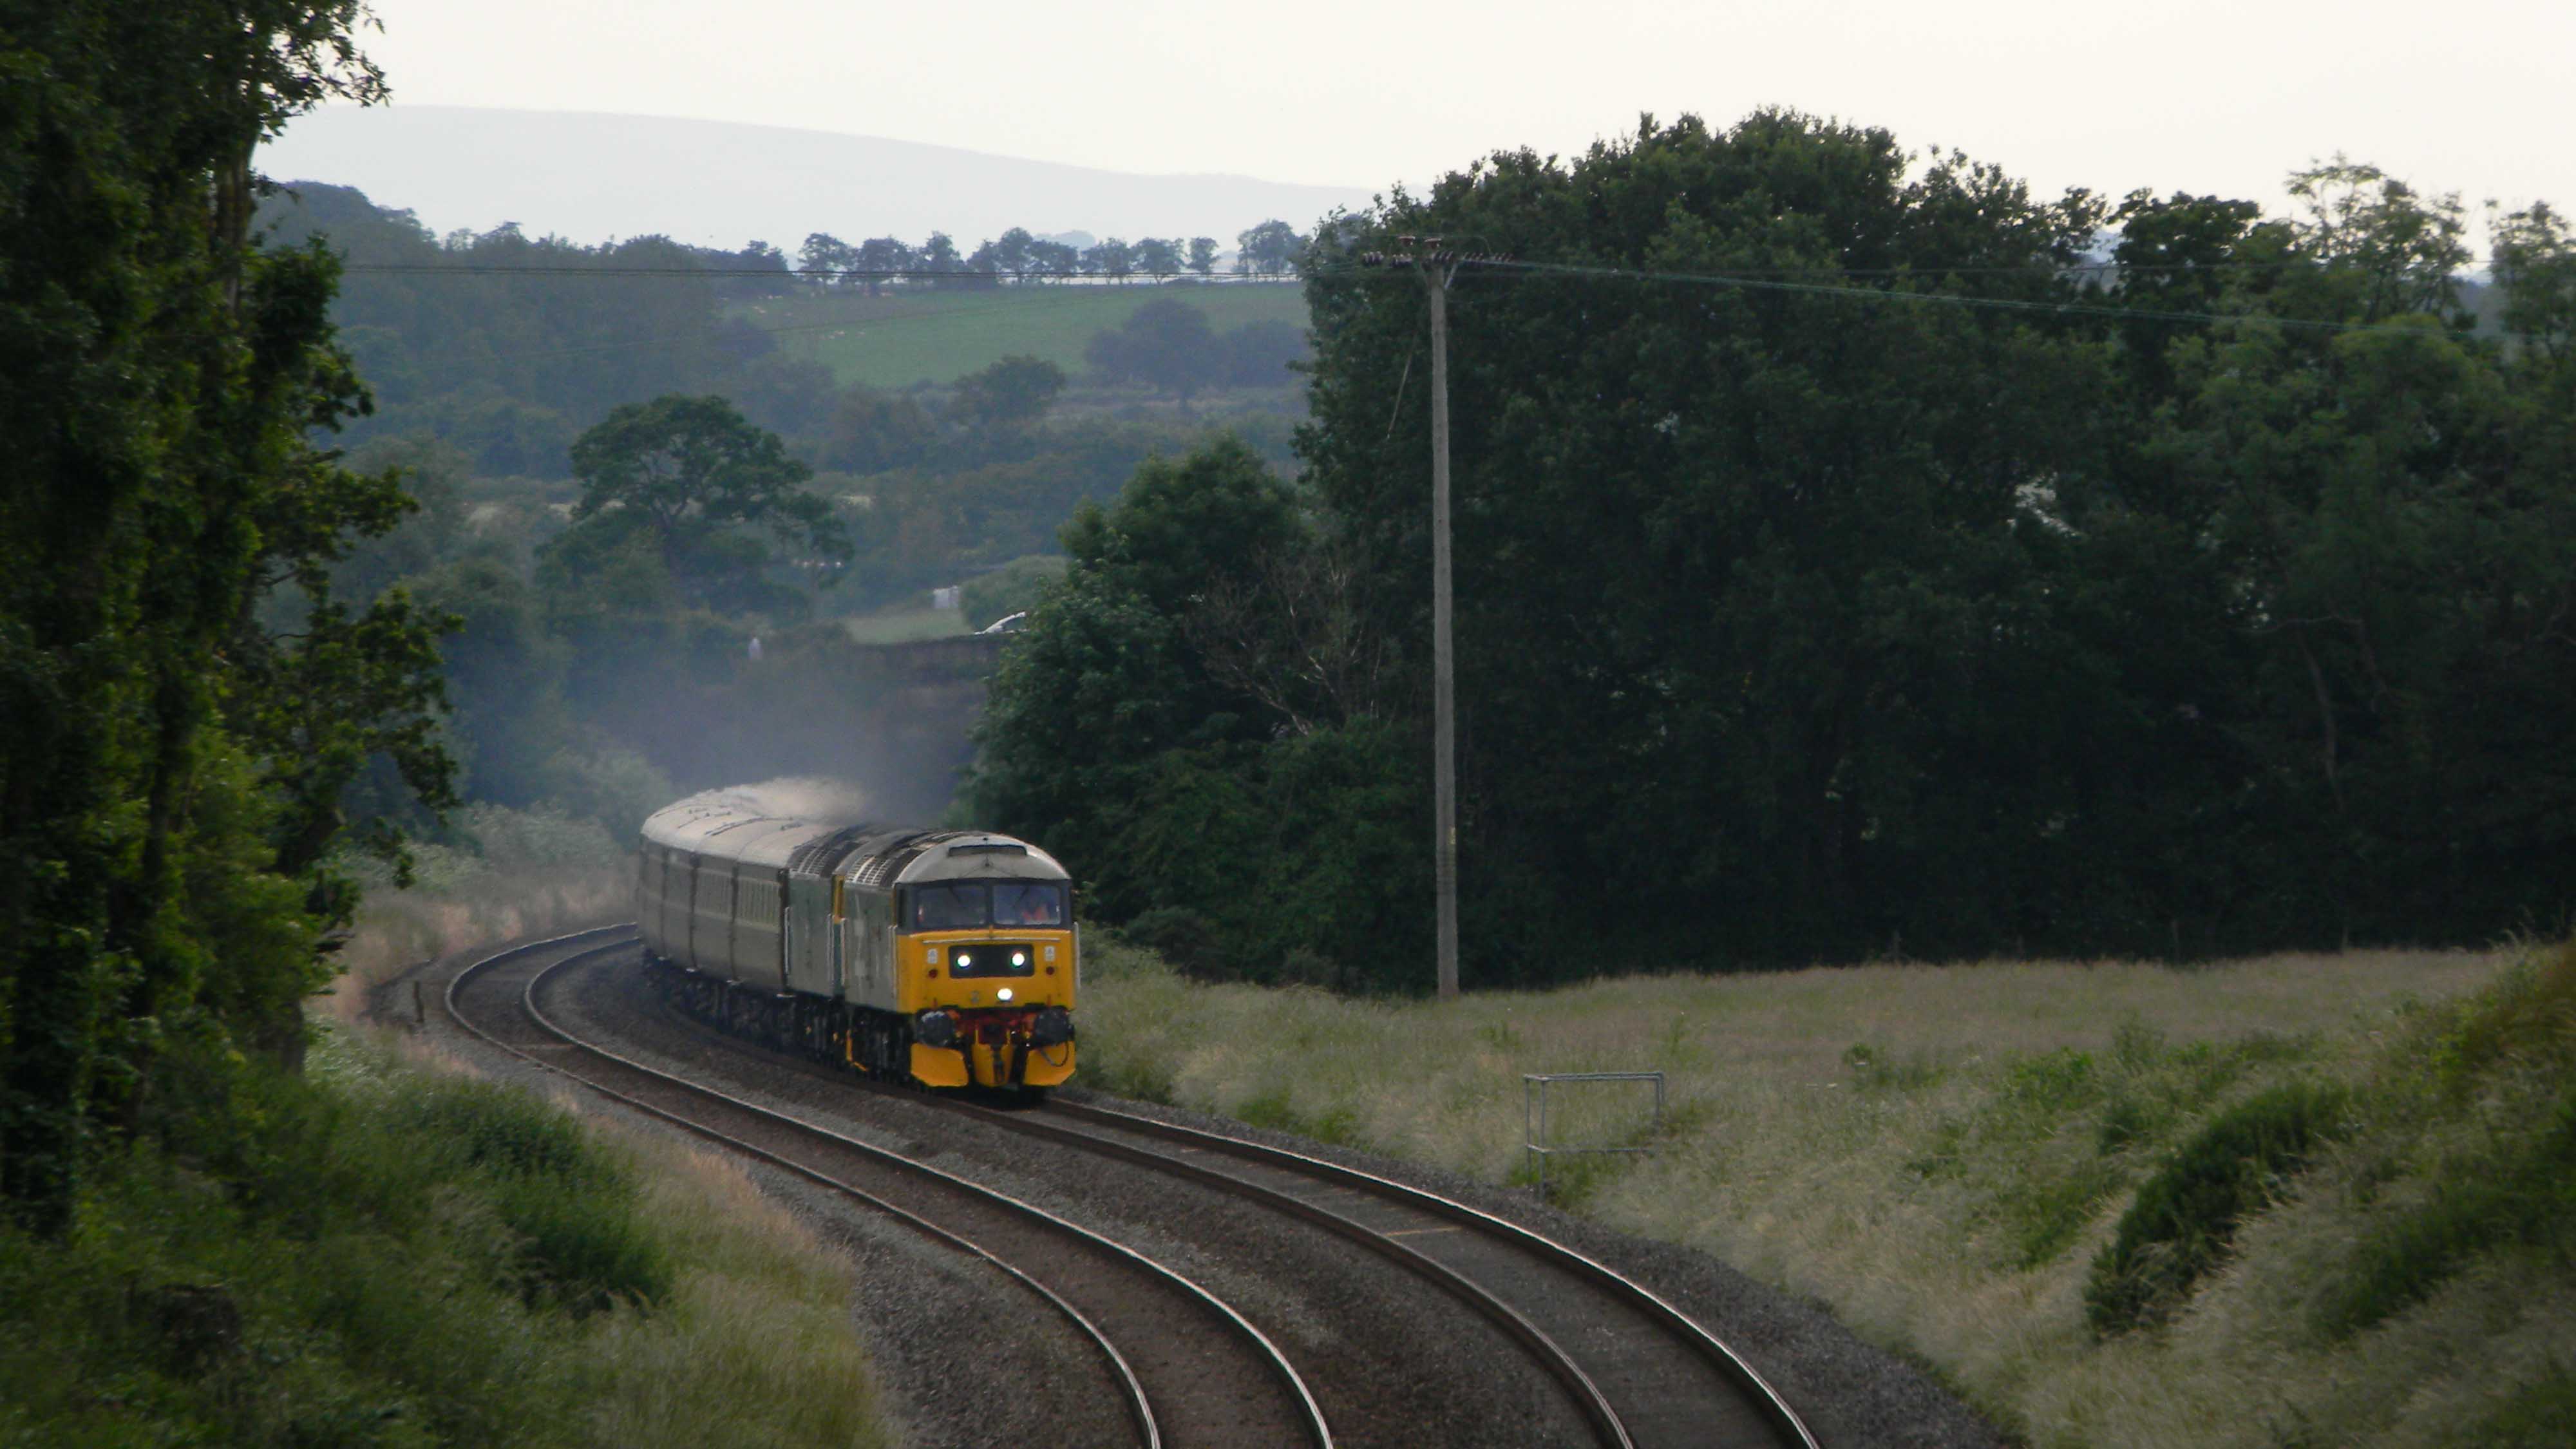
[905,626]
[902,339]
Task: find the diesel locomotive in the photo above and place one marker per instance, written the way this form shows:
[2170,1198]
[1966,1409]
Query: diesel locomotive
[944,957]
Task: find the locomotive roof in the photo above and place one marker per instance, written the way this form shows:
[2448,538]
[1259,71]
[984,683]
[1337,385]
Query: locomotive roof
[871,855]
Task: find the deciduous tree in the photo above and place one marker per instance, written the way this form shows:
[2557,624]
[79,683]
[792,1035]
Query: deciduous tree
[170,764]
[685,476]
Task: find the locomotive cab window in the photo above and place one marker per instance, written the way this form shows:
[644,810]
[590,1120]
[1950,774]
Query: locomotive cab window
[972,905]
[1028,903]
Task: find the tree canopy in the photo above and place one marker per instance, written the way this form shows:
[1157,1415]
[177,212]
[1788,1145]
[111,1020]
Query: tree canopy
[184,696]
[1852,559]
[681,476]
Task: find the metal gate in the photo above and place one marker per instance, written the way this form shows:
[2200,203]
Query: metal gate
[1535,1119]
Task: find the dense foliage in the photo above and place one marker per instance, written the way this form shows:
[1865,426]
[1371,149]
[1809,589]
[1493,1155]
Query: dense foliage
[508,346]
[1188,720]
[2179,1226]
[184,695]
[1936,585]
[373,1255]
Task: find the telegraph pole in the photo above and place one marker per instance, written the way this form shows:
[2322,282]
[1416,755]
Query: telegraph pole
[1437,267]
[1444,680]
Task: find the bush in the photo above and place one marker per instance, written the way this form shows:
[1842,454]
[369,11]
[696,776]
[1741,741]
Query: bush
[1183,937]
[2518,1188]
[2529,1197]
[1013,588]
[571,1212]
[608,783]
[375,1256]
[2183,1218]
[2532,1016]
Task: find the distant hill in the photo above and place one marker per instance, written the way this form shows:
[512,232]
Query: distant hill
[589,176]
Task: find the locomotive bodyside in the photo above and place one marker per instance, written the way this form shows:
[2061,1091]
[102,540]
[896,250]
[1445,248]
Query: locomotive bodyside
[948,957]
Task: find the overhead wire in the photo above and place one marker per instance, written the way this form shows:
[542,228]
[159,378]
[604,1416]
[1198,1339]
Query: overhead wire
[1755,282]
[1757,279]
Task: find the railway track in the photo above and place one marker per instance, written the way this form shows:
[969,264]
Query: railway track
[1192,1370]
[1654,1376]
[1637,1370]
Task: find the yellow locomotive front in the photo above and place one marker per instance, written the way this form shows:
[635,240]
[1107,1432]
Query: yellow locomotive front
[986,969]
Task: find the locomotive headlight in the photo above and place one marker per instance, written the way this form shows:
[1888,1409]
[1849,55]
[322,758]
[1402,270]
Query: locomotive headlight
[1019,958]
[965,960]
[1002,995]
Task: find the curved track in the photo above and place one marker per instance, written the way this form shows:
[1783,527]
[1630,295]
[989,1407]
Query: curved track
[1183,1384]
[1663,1376]
[1641,1372]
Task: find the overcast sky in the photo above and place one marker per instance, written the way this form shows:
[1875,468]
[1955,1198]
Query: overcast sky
[2205,95]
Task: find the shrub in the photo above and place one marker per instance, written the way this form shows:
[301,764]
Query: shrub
[1184,937]
[1016,587]
[373,1256]
[2183,1218]
[2528,1197]
[2532,1016]
[571,1210]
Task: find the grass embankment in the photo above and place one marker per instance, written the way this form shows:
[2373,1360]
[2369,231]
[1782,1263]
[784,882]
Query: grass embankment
[531,872]
[379,1254]
[898,340]
[383,1252]
[2292,1201]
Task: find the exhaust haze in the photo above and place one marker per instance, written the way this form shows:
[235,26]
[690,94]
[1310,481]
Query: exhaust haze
[817,799]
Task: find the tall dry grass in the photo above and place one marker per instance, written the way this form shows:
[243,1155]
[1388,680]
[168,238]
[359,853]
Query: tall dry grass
[1938,1153]
[753,1345]
[524,873]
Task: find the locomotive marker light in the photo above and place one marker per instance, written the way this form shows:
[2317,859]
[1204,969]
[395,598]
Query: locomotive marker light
[1003,995]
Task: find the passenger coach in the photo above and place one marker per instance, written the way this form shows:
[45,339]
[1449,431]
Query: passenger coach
[945,957]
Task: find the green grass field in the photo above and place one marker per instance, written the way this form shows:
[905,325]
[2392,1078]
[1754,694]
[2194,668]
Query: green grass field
[905,626]
[897,341]
[2333,1198]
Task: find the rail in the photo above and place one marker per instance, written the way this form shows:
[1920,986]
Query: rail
[1140,1408]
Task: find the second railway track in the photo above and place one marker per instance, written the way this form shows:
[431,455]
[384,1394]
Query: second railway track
[1661,1378]
[1193,1370]
[1638,1369]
